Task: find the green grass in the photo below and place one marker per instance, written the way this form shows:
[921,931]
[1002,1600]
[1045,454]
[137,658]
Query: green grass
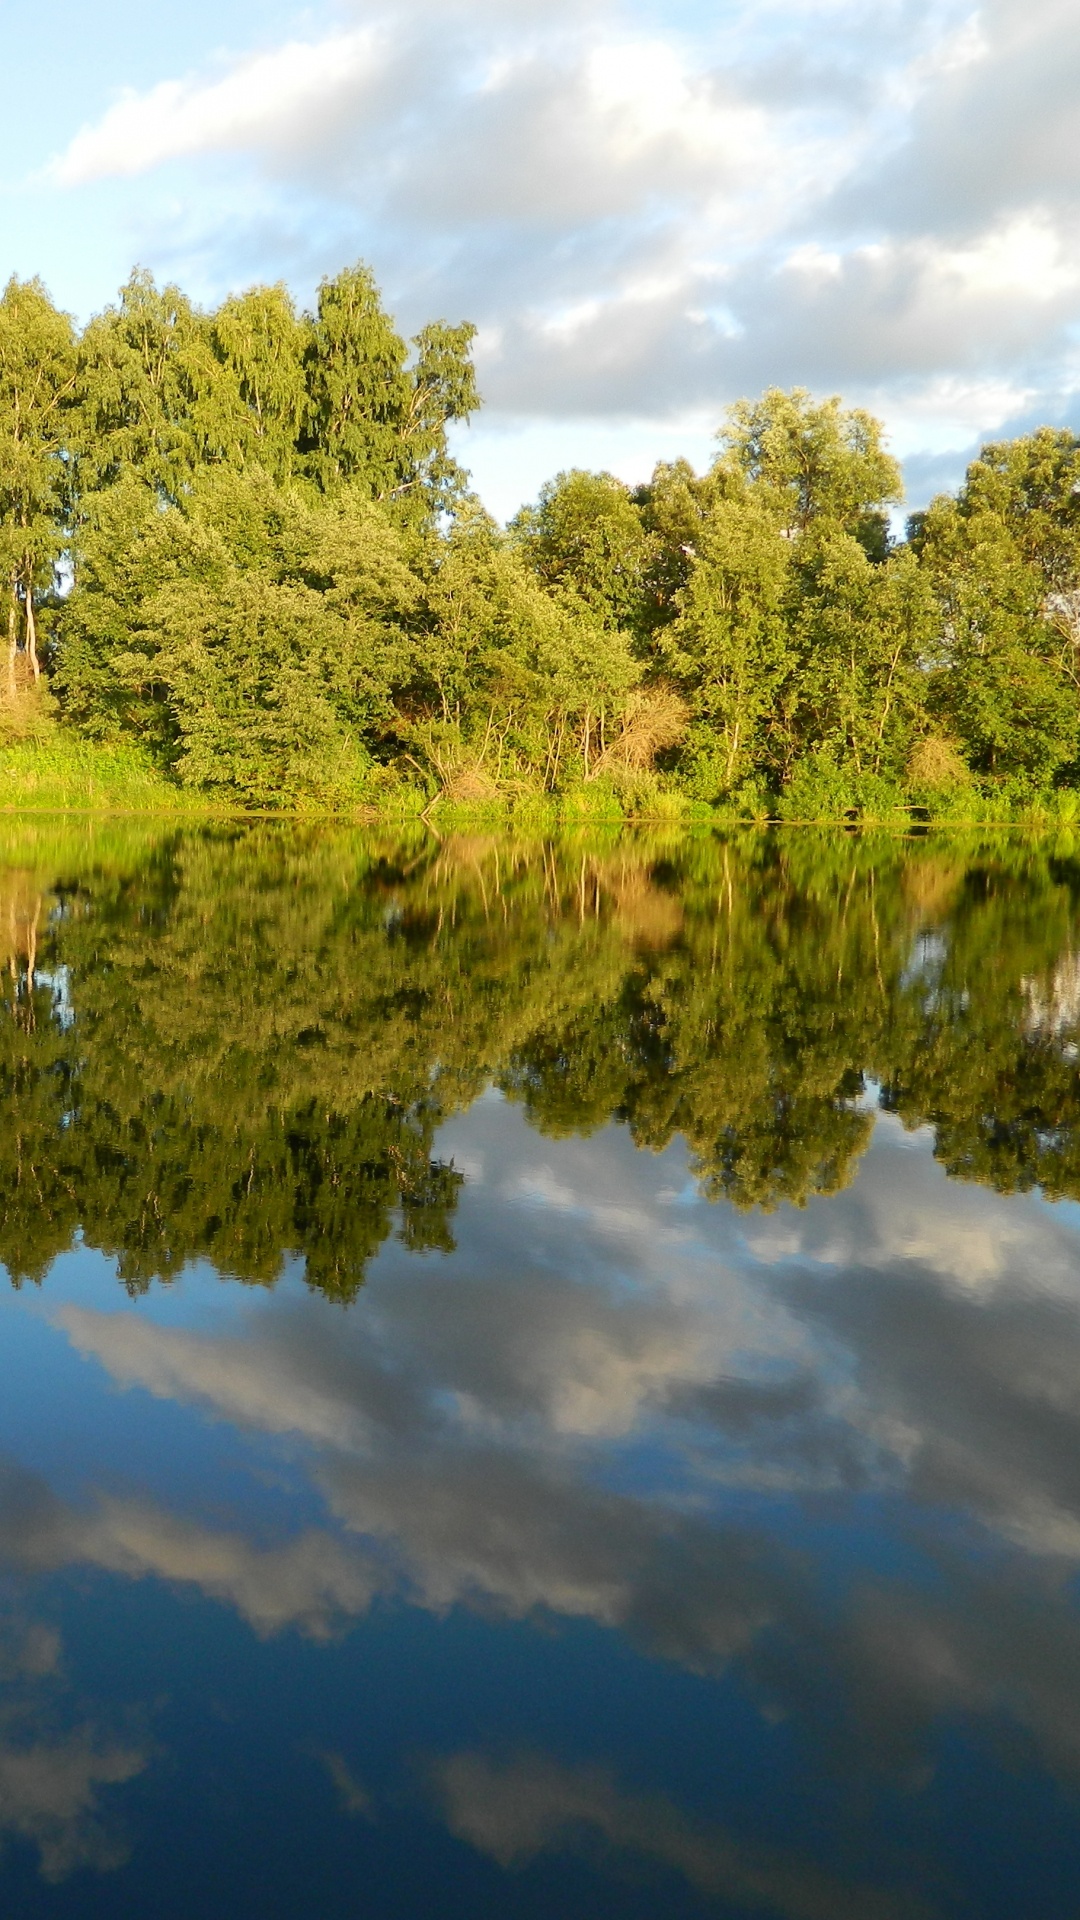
[51,771]
[71,775]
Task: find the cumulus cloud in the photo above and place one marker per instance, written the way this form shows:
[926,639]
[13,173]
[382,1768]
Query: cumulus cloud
[269,98]
[645,221]
[993,134]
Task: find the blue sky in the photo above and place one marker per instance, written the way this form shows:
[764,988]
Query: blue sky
[647,209]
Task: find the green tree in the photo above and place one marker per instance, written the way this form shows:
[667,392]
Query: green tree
[37,373]
[675,506]
[814,461]
[372,418]
[145,371]
[1005,680]
[1032,485]
[262,345]
[250,637]
[585,540]
[731,644]
[860,636]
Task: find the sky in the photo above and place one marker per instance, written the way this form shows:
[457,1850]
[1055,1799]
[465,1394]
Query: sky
[648,209]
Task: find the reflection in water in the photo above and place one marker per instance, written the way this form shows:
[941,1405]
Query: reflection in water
[51,1778]
[736,1537]
[271,1026]
[513,1812]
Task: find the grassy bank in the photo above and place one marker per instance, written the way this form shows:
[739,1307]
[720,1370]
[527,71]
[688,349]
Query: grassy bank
[72,775]
[58,772]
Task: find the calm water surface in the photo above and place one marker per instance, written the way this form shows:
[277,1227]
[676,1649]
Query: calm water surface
[538,1380]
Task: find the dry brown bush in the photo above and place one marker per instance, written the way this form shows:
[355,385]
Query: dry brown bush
[469,782]
[654,719]
[935,763]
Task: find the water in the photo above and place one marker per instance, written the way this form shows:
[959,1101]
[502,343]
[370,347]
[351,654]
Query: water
[538,1380]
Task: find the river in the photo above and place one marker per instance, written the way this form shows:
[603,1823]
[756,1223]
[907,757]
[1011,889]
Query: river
[538,1378]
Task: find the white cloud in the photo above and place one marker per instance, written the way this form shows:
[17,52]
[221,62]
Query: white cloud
[1024,255]
[257,100]
[647,221]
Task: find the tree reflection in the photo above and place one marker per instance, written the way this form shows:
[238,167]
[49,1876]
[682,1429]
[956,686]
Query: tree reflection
[239,1043]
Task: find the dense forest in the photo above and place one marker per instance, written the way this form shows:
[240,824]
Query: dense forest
[238,1042]
[235,543]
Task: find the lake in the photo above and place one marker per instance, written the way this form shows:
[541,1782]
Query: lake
[538,1379]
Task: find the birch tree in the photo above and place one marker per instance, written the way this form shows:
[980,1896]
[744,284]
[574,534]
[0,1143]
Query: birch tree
[37,373]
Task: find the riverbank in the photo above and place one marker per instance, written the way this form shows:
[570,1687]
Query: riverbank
[57,772]
[72,775]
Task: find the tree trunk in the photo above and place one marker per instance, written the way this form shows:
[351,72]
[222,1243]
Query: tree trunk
[13,641]
[31,624]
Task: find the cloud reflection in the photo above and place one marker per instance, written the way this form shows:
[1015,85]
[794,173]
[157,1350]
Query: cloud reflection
[531,1804]
[52,1776]
[49,1793]
[309,1581]
[596,1408]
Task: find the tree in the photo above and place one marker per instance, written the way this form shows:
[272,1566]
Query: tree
[1032,486]
[860,635]
[1005,677]
[248,635]
[372,419]
[262,345]
[731,644]
[811,461]
[585,540]
[146,371]
[675,506]
[37,374]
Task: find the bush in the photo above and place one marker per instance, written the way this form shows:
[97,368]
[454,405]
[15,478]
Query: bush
[817,789]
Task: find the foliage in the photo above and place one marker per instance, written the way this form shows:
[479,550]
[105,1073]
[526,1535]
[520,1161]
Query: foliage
[37,373]
[813,464]
[252,555]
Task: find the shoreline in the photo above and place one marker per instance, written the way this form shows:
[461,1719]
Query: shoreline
[80,778]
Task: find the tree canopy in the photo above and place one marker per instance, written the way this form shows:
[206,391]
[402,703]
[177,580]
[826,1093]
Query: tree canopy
[240,539]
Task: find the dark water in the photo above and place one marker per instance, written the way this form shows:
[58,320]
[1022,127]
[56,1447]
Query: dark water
[538,1381]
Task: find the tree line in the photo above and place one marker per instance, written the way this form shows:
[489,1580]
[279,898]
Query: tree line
[237,539]
[238,1044]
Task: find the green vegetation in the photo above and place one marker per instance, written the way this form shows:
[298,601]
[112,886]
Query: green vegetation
[241,564]
[237,1041]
